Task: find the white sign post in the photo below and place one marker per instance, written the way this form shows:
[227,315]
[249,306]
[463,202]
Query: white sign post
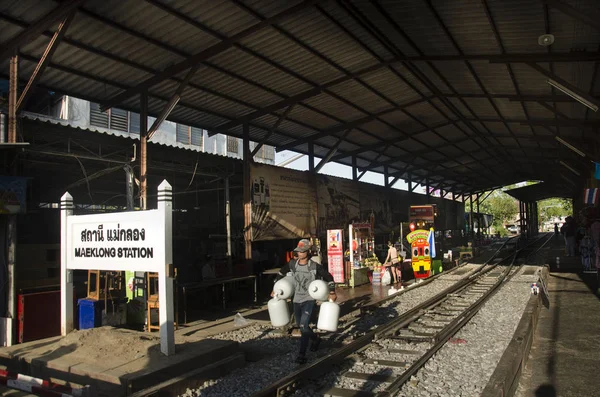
[121,241]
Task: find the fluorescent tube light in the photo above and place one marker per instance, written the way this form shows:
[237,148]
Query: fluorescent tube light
[567,144]
[570,168]
[572,94]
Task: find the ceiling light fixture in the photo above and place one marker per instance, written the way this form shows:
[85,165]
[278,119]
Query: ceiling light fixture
[572,94]
[567,144]
[567,166]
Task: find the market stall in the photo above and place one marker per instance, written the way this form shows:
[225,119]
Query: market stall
[362,259]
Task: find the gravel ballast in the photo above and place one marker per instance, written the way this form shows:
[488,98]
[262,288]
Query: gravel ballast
[255,376]
[464,365]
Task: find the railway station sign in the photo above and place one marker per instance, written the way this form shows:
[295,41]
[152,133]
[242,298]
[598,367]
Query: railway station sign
[120,241]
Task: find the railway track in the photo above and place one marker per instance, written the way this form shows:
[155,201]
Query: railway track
[381,361]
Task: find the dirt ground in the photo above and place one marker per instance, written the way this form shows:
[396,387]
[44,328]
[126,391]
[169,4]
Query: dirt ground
[92,345]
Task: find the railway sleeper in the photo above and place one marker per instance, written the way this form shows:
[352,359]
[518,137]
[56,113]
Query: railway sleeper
[413,338]
[406,352]
[339,392]
[429,325]
[369,377]
[386,363]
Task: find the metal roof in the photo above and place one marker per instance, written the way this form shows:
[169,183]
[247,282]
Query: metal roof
[537,192]
[452,92]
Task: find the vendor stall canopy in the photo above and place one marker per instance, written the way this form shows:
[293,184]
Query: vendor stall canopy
[466,95]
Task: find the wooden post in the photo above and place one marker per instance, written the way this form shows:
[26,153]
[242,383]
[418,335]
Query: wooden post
[166,313]
[247,196]
[143,150]
[66,280]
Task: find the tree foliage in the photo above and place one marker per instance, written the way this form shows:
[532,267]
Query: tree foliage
[501,206]
[554,208]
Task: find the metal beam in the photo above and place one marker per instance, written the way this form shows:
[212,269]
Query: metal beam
[222,129]
[394,49]
[44,60]
[341,127]
[168,108]
[378,145]
[586,17]
[331,152]
[565,83]
[272,130]
[36,28]
[207,53]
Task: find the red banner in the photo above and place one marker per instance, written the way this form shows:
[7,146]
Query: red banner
[335,255]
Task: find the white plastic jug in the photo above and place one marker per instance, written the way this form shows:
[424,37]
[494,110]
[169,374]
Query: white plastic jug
[279,312]
[284,288]
[319,290]
[328,316]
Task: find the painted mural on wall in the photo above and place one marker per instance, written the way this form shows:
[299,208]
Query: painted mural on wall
[338,202]
[283,203]
[378,201]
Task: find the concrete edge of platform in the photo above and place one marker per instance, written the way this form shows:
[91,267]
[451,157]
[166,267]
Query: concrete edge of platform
[195,378]
[125,383]
[505,379]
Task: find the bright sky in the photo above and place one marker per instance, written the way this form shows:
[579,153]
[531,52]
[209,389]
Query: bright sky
[339,170]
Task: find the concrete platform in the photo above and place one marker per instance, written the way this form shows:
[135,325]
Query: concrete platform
[565,355]
[115,362]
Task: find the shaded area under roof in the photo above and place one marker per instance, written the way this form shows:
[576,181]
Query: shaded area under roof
[538,192]
[452,93]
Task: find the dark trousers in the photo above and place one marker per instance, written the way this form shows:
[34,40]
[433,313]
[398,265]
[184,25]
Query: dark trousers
[302,313]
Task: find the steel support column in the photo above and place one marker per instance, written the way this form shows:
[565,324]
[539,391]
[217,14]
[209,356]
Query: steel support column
[143,150]
[247,197]
[12,99]
[478,218]
[354,169]
[228,224]
[386,175]
[311,156]
[471,232]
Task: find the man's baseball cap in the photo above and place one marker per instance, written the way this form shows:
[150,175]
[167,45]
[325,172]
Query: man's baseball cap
[303,246]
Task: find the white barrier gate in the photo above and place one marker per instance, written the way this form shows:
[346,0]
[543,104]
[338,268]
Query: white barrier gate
[120,241]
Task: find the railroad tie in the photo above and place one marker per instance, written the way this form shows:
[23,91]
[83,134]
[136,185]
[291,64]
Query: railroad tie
[369,377]
[339,392]
[404,351]
[385,363]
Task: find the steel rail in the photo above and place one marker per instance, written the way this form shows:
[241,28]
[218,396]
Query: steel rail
[453,327]
[290,382]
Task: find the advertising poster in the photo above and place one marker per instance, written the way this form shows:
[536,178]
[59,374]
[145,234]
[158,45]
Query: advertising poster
[335,255]
[338,202]
[283,203]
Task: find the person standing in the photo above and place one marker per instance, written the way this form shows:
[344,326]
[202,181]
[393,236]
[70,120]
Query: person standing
[391,261]
[569,231]
[304,271]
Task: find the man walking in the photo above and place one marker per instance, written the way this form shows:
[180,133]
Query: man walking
[304,271]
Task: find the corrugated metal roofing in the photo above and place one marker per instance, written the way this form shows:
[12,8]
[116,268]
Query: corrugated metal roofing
[114,45]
